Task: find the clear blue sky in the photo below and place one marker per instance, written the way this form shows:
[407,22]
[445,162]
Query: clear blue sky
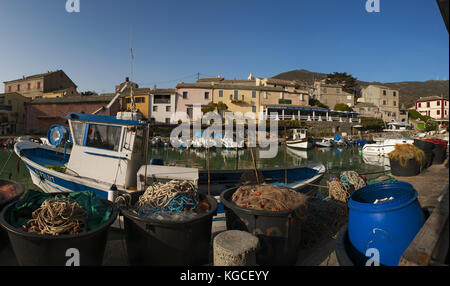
[175,39]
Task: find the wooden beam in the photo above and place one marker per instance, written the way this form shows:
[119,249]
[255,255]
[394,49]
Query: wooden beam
[430,246]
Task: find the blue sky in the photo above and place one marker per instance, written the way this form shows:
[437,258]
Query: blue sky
[174,39]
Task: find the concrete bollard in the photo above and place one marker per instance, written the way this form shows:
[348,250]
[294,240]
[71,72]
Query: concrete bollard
[235,248]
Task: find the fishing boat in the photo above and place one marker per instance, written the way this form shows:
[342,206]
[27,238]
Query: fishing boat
[299,140]
[299,178]
[106,155]
[325,143]
[384,146]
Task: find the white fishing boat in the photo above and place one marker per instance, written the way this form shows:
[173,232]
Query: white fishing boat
[107,155]
[299,140]
[384,146]
[325,143]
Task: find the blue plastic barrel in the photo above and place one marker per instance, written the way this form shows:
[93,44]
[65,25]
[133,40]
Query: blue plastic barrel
[388,227]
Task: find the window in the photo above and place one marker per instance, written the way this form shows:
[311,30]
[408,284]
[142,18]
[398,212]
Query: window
[29,86]
[428,104]
[446,113]
[384,102]
[231,97]
[18,87]
[185,94]
[236,94]
[438,103]
[384,92]
[220,93]
[140,99]
[103,137]
[168,108]
[9,89]
[155,108]
[39,85]
[253,108]
[420,104]
[78,131]
[161,98]
[395,103]
[206,95]
[253,94]
[242,97]
[438,112]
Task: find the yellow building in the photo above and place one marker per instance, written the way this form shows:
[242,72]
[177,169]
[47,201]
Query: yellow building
[141,100]
[71,91]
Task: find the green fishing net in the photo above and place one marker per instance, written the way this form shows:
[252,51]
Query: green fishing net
[31,200]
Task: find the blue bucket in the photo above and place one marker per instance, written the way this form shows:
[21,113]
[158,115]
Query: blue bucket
[387,227]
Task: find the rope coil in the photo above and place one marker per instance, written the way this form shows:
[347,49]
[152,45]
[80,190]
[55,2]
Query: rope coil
[58,216]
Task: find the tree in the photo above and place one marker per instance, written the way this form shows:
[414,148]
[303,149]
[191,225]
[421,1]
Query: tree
[371,123]
[315,102]
[348,82]
[431,125]
[88,93]
[342,107]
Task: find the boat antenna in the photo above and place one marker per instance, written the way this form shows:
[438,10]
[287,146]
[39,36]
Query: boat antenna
[133,103]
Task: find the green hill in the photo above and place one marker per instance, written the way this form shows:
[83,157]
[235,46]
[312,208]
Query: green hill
[410,91]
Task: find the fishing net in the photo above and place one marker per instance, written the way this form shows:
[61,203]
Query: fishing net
[268,198]
[321,219]
[404,152]
[47,214]
[7,192]
[174,200]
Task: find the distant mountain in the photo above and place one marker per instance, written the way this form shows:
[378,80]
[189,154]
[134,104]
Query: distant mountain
[410,91]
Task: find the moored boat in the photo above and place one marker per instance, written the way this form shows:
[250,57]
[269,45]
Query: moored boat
[299,140]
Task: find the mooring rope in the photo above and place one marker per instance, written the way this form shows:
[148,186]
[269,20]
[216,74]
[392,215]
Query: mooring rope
[58,216]
[353,178]
[339,191]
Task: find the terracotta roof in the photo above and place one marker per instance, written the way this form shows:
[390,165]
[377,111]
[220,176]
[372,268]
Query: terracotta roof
[73,99]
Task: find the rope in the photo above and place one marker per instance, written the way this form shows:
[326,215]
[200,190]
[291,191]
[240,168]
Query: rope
[58,216]
[353,178]
[173,197]
[9,157]
[339,191]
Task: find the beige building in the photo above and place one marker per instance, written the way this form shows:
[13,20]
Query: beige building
[386,99]
[71,91]
[332,94]
[12,113]
[434,106]
[367,109]
[52,83]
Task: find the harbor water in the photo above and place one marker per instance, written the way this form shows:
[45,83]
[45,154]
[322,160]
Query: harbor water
[336,160]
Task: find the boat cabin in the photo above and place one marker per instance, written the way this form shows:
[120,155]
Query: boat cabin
[106,149]
[299,134]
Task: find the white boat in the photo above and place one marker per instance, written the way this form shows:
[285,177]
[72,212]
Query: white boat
[376,160]
[383,147]
[325,142]
[107,156]
[299,140]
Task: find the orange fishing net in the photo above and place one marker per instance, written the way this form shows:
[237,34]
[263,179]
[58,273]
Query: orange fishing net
[268,198]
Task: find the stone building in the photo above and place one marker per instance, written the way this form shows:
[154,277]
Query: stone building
[42,113]
[332,94]
[12,113]
[386,99]
[36,86]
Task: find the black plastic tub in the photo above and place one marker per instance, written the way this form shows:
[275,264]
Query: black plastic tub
[33,249]
[412,168]
[19,188]
[168,243]
[440,154]
[279,233]
[427,147]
